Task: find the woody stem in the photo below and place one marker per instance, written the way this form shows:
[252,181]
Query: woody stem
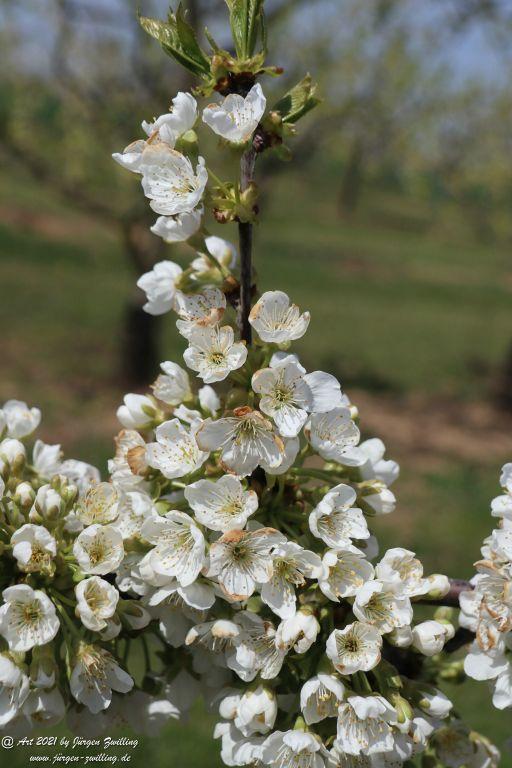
[245,241]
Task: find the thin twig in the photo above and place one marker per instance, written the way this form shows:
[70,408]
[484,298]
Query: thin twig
[245,241]
[450,600]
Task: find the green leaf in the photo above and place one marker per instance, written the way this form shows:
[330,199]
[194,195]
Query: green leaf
[188,40]
[238,22]
[160,30]
[255,24]
[298,101]
[178,40]
[247,24]
[213,43]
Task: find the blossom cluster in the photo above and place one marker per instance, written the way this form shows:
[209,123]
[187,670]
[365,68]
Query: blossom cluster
[62,618]
[230,554]
[173,186]
[261,565]
[486,610]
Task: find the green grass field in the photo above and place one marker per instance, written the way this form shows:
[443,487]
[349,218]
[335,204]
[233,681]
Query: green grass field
[406,308]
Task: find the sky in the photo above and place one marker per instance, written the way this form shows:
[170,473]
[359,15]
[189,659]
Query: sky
[474,53]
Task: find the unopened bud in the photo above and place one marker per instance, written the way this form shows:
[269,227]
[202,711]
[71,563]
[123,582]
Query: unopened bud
[24,494]
[403,708]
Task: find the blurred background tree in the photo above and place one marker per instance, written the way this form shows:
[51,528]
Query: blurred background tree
[393,228]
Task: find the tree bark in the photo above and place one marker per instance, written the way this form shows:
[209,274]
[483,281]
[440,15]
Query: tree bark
[245,241]
[352,181]
[140,337]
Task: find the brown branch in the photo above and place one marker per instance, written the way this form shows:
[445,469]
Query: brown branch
[450,600]
[245,240]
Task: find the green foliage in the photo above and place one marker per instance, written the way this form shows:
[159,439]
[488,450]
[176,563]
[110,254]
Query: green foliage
[178,40]
[299,100]
[247,23]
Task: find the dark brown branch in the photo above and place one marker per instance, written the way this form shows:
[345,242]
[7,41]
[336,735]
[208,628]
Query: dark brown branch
[461,638]
[451,600]
[245,240]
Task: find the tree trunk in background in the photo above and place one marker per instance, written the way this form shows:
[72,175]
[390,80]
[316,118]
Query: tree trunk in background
[352,182]
[141,332]
[504,384]
[140,336]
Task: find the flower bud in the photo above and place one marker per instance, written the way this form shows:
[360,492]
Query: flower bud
[439,586]
[12,456]
[257,711]
[403,708]
[400,637]
[138,412]
[24,494]
[434,702]
[47,505]
[376,498]
[429,637]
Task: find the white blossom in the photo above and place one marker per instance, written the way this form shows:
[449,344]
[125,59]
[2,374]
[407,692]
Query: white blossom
[364,725]
[291,565]
[20,419]
[256,711]
[47,504]
[137,411]
[216,636]
[181,118]
[173,385]
[246,440]
[134,508]
[223,252]
[288,393]
[176,451]
[11,452]
[33,547]
[95,675]
[336,521]
[293,749]
[256,651]
[236,118]
[355,648]
[223,504]
[46,459]
[14,689]
[213,353]
[209,400]
[166,129]
[240,559]
[377,603]
[376,466]
[27,618]
[80,473]
[276,320]
[179,549]
[179,228]
[129,465]
[320,697]
[401,567]
[345,572]
[170,182]
[159,285]
[198,310]
[100,504]
[299,631]
[429,637]
[44,708]
[96,602]
[99,549]
[334,436]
